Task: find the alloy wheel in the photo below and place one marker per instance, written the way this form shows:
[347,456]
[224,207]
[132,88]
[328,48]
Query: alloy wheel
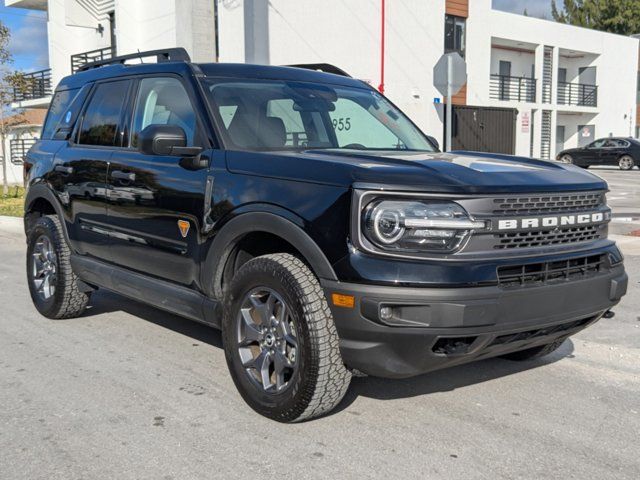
[626,163]
[267,340]
[44,268]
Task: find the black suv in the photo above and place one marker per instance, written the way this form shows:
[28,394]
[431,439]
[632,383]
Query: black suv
[307,217]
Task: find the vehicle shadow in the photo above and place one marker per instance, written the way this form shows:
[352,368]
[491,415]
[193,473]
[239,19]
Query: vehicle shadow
[104,301]
[446,380]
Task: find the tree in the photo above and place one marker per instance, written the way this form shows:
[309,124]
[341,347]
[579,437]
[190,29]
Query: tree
[614,16]
[10,82]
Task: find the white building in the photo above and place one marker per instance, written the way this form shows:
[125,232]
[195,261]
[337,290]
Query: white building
[566,85]
[23,129]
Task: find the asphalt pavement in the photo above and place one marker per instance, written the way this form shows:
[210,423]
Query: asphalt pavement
[128,391]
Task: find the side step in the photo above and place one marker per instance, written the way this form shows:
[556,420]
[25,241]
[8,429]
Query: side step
[158,293]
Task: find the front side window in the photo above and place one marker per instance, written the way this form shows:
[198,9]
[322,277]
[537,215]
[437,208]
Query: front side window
[454,34]
[598,143]
[103,114]
[276,115]
[163,101]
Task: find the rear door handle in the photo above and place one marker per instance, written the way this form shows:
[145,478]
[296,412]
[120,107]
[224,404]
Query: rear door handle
[63,169]
[123,175]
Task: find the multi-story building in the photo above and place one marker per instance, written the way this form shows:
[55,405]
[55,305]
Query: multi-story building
[534,86]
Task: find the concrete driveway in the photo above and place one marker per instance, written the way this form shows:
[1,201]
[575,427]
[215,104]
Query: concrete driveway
[128,391]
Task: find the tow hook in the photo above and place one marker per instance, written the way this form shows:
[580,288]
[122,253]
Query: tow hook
[609,314]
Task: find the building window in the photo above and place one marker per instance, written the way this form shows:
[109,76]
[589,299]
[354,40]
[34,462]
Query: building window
[454,34]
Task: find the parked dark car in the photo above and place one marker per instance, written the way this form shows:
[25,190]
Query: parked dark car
[624,152]
[309,219]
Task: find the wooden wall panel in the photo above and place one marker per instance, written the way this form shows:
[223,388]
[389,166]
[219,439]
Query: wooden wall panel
[459,8]
[460,98]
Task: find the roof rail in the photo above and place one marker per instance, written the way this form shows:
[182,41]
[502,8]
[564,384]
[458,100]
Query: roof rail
[322,67]
[167,55]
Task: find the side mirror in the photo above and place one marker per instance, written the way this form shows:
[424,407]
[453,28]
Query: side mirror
[165,140]
[434,142]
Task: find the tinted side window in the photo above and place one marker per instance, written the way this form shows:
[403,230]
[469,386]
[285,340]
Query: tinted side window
[163,101]
[59,104]
[102,116]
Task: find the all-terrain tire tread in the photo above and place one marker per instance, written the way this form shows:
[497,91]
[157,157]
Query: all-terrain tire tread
[72,302]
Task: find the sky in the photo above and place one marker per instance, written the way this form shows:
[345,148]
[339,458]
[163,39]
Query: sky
[29,29]
[535,8]
[28,43]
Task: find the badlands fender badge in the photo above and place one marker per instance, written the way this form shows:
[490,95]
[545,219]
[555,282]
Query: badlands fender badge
[184,226]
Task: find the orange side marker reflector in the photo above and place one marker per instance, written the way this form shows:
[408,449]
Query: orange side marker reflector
[341,300]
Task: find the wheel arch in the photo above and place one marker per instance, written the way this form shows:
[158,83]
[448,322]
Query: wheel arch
[257,226]
[40,201]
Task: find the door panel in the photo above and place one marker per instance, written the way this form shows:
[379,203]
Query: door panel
[148,197]
[80,178]
[80,169]
[152,196]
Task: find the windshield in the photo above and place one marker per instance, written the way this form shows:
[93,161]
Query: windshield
[284,115]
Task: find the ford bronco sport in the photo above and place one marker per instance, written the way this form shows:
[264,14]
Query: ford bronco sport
[309,219]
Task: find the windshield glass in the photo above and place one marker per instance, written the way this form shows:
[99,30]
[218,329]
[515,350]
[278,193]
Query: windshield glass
[285,115]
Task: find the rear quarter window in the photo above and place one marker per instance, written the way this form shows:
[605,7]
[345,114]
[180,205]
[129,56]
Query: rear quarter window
[58,108]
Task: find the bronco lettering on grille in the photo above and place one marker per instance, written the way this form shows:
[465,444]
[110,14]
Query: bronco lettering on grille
[550,222]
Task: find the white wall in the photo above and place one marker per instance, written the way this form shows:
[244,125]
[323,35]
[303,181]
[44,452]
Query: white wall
[140,25]
[521,62]
[14,172]
[347,34]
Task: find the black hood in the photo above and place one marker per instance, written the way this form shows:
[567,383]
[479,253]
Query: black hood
[455,172]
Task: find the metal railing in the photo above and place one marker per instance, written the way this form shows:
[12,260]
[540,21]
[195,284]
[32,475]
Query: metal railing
[19,148]
[580,94]
[35,85]
[515,89]
[80,59]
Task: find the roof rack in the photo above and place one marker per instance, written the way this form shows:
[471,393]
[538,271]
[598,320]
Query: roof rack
[322,67]
[167,55]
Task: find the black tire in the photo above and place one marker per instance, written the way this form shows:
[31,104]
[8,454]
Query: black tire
[66,301]
[566,158]
[626,162]
[320,379]
[535,352]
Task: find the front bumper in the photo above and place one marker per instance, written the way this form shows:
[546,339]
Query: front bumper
[433,328]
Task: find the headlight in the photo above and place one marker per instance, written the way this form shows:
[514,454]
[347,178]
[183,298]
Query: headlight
[417,226]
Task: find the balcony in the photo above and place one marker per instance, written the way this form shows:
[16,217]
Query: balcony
[512,89]
[580,94]
[81,59]
[36,85]
[19,148]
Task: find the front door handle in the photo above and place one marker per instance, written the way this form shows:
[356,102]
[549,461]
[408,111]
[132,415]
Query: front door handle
[131,177]
[63,169]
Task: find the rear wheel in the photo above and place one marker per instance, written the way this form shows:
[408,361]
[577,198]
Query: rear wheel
[626,162]
[52,283]
[535,352]
[280,341]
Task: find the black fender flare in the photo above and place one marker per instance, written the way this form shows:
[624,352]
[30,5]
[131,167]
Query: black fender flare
[227,238]
[42,191]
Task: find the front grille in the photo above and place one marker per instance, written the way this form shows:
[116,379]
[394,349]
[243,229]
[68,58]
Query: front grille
[548,203]
[540,332]
[541,238]
[547,272]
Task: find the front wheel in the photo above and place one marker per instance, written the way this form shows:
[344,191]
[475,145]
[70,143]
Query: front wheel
[52,283]
[626,162]
[280,341]
[566,159]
